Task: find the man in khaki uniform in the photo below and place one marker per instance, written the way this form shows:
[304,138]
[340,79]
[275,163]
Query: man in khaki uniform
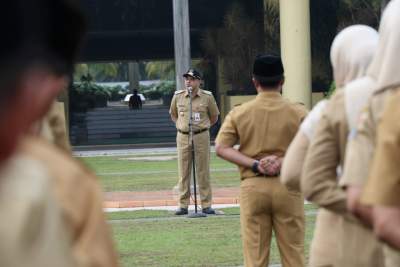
[205,114]
[53,203]
[264,128]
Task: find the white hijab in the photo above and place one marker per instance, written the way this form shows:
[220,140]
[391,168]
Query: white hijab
[351,52]
[385,67]
[310,122]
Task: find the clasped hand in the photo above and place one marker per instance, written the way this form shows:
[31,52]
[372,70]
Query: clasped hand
[270,165]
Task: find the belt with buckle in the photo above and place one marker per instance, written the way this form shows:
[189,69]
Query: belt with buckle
[195,132]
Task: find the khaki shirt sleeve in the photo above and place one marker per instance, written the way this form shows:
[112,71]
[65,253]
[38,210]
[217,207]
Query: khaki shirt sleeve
[301,110]
[57,123]
[383,185]
[293,162]
[212,107]
[319,181]
[228,134]
[93,245]
[359,152]
[173,109]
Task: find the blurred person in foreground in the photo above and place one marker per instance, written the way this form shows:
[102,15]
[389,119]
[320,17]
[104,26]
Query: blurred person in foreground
[51,205]
[351,53]
[385,70]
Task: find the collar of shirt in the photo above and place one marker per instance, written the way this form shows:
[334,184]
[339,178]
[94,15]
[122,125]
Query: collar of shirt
[269,95]
[198,93]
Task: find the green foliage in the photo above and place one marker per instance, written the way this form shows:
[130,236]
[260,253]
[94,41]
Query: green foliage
[116,93]
[271,26]
[164,70]
[236,45]
[358,12]
[158,91]
[87,95]
[99,71]
[331,90]
[107,72]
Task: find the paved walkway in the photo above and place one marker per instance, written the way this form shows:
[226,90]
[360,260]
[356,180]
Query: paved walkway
[227,196]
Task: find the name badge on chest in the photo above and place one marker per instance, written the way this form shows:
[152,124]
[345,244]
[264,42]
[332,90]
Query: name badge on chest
[196,116]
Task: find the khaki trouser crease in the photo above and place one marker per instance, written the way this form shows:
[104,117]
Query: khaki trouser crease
[202,158]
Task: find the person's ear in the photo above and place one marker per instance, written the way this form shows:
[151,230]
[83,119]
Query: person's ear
[35,92]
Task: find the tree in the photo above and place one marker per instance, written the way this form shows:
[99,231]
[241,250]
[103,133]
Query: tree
[236,44]
[99,71]
[164,70]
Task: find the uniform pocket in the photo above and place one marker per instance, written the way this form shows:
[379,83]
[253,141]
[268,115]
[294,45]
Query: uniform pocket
[181,108]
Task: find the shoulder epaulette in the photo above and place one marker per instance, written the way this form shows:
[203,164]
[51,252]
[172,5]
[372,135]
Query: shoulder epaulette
[207,92]
[177,92]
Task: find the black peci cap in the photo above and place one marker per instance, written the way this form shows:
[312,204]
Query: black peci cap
[268,68]
[193,73]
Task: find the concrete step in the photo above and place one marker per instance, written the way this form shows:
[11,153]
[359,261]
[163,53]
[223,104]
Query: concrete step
[127,125]
[121,125]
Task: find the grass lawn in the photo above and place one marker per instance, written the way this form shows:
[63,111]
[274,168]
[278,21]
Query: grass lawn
[157,238]
[149,173]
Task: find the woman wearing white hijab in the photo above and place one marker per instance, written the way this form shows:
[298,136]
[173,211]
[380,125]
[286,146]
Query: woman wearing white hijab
[386,71]
[351,53]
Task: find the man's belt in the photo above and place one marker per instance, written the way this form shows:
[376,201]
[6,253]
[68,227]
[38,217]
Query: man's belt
[194,132]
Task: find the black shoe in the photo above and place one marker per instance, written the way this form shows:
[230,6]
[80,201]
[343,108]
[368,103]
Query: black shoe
[208,210]
[181,211]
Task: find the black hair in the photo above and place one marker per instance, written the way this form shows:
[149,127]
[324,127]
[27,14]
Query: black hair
[40,32]
[268,84]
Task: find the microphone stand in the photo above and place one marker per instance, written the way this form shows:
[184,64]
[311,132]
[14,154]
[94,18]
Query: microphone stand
[191,135]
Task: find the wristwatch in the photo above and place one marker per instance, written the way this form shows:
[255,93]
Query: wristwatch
[254,168]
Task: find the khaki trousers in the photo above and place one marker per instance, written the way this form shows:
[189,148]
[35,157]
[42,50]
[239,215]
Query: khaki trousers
[324,246]
[358,247]
[202,158]
[266,205]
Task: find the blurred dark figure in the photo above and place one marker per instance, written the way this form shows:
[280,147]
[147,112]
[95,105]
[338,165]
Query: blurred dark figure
[51,205]
[134,101]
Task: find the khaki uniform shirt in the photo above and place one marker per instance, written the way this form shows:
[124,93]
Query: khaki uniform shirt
[319,181]
[32,231]
[203,106]
[362,142]
[383,185]
[79,195]
[320,184]
[263,126]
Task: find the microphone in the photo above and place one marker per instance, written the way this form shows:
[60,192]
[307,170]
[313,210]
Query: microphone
[189,89]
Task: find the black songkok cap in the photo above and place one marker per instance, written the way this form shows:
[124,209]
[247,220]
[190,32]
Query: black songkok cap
[268,68]
[192,73]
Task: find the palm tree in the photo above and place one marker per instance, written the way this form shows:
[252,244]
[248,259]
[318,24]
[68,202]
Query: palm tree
[164,70]
[99,71]
[236,44]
